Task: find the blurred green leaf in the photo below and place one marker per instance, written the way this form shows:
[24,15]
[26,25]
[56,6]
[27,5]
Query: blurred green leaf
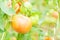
[5,9]
[1,20]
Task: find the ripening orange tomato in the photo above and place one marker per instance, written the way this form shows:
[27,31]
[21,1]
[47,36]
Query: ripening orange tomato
[17,7]
[21,23]
[55,14]
[47,38]
[19,3]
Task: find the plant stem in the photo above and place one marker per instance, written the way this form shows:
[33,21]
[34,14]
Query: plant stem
[20,36]
[3,35]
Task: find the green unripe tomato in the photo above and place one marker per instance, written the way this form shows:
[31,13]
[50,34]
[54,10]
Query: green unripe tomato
[34,19]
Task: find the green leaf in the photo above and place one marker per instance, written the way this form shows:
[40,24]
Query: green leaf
[1,20]
[5,36]
[5,9]
[1,30]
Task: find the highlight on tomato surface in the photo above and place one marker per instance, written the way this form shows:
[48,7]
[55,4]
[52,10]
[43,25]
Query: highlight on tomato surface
[21,23]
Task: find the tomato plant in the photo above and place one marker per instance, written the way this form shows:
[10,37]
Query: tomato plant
[29,20]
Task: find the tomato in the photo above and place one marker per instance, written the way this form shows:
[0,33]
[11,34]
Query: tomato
[55,14]
[21,23]
[48,38]
[19,3]
[17,7]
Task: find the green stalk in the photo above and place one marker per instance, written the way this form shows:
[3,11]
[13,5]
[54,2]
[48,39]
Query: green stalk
[3,36]
[20,36]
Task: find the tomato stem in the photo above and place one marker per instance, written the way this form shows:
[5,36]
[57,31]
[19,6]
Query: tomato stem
[20,36]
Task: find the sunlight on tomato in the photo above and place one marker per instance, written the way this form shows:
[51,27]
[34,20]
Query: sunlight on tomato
[21,23]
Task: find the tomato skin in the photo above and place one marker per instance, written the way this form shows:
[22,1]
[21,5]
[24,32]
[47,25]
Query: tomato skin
[48,38]
[19,3]
[55,14]
[18,11]
[17,7]
[21,24]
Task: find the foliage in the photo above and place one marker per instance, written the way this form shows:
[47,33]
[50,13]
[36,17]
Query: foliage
[40,12]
